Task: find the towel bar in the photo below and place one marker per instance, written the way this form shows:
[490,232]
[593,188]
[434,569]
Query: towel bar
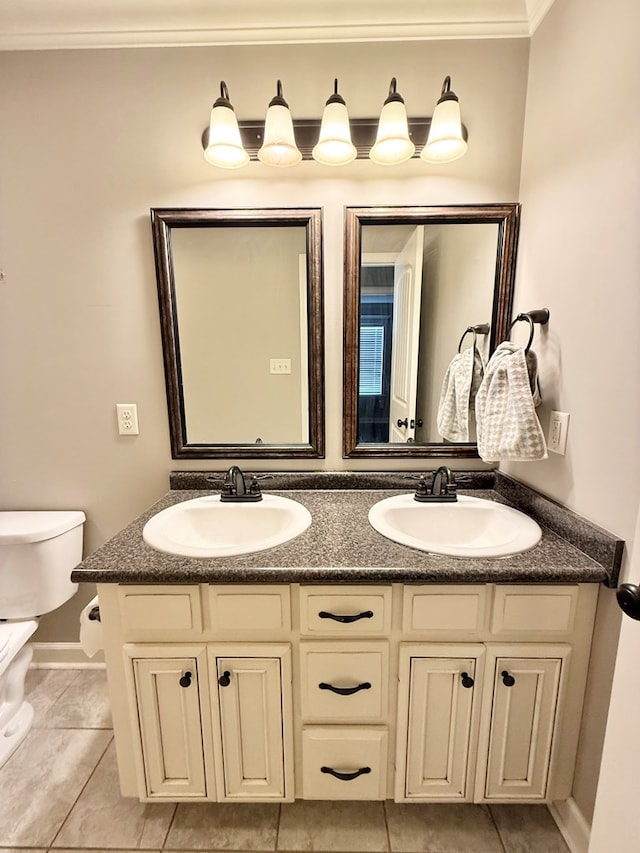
[540,315]
[480,329]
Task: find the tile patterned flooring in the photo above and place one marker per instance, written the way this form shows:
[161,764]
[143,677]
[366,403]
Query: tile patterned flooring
[59,793]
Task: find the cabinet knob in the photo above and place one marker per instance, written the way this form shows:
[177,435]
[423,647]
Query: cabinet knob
[185,681]
[345,777]
[225,679]
[467,681]
[507,680]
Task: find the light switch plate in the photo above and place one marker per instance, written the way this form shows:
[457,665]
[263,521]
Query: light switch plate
[280,365]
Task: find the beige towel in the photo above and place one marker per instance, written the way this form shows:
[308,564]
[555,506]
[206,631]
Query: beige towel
[457,396]
[506,421]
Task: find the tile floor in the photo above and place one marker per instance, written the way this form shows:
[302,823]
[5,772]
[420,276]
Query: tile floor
[59,793]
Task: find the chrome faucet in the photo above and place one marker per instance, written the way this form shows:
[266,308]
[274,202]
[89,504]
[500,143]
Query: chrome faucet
[443,487]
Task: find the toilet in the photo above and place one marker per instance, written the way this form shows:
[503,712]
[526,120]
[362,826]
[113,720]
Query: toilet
[38,550]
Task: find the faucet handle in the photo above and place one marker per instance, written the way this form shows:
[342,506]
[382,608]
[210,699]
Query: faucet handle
[254,487]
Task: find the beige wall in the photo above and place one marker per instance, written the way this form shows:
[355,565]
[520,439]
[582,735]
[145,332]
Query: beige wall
[90,141]
[579,257]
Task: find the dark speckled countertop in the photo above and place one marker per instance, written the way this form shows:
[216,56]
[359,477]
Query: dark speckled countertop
[340,545]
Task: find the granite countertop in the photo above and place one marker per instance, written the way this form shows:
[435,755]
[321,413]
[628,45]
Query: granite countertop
[339,546]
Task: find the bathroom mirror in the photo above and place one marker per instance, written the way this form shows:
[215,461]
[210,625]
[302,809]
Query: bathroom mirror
[416,278]
[241,312]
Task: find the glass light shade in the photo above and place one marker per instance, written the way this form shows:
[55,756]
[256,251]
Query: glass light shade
[445,141]
[334,147]
[279,147]
[225,148]
[392,145]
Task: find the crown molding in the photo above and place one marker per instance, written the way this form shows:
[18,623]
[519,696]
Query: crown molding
[76,24]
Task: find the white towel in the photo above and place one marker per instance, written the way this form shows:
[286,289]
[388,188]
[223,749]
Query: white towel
[459,388]
[506,421]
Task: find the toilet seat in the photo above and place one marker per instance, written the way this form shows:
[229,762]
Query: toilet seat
[13,636]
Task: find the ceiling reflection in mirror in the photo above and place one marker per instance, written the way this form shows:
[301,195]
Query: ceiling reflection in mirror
[241,313]
[416,279]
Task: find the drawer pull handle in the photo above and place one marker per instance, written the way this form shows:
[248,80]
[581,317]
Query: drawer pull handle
[507,680]
[467,681]
[225,679]
[366,614]
[345,691]
[346,777]
[185,681]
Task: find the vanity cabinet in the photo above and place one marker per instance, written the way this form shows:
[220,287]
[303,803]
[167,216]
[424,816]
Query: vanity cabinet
[481,721]
[421,693]
[169,717]
[438,698]
[524,696]
[252,721]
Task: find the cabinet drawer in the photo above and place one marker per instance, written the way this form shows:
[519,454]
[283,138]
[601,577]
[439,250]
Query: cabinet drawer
[543,610]
[444,610]
[344,763]
[344,682]
[250,608]
[160,611]
[347,611]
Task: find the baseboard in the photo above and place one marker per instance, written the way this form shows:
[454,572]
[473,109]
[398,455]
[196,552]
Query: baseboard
[572,824]
[64,656]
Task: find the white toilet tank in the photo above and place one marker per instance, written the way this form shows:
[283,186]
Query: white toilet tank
[38,550]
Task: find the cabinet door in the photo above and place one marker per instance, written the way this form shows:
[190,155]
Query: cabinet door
[524,713]
[168,705]
[253,724]
[439,695]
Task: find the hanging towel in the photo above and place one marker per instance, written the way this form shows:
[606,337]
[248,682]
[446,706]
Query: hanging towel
[459,388]
[532,370]
[506,421]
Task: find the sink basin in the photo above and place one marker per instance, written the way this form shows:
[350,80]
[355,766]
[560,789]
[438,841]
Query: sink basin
[470,527]
[207,527]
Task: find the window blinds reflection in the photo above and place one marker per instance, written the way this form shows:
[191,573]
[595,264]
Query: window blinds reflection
[371,359]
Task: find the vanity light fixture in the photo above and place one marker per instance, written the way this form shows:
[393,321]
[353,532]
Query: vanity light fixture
[336,140]
[279,147]
[445,142]
[393,144]
[224,147]
[334,147]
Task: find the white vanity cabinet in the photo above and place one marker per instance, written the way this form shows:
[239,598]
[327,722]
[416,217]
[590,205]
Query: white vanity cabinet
[425,693]
[169,716]
[481,721]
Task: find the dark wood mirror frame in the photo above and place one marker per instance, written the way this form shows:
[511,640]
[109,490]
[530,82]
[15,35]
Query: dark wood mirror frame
[507,217]
[163,220]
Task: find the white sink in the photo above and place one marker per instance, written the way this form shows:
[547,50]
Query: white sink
[468,527]
[208,527]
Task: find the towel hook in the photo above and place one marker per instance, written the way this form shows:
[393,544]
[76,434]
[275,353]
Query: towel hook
[480,329]
[540,315]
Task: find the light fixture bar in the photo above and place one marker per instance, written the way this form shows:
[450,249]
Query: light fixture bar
[363,135]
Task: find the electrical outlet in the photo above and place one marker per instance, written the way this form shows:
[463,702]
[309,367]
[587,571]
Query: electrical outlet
[127,418]
[280,365]
[558,429]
